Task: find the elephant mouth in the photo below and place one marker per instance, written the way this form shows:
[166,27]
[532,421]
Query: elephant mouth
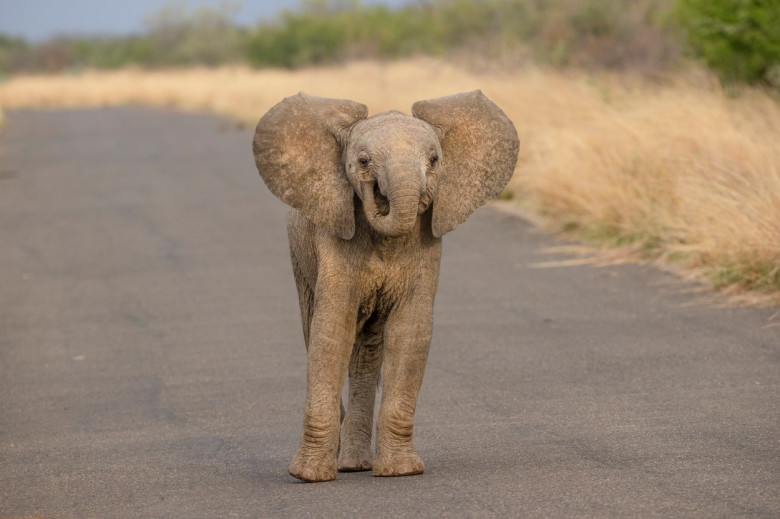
[382,203]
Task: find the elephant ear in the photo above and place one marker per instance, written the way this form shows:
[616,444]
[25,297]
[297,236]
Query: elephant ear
[298,152]
[479,151]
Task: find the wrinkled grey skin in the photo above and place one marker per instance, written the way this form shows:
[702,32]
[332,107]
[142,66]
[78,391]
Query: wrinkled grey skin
[371,199]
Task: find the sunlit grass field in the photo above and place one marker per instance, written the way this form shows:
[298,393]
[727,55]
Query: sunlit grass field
[675,170]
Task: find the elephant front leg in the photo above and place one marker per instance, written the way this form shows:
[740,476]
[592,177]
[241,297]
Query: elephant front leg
[356,429]
[407,340]
[330,344]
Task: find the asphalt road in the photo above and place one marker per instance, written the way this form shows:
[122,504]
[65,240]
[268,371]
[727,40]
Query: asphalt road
[152,363]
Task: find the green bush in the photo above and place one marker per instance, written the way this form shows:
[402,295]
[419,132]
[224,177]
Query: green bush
[13,51]
[615,34]
[110,52]
[175,36]
[300,39]
[205,36]
[326,32]
[589,33]
[740,39]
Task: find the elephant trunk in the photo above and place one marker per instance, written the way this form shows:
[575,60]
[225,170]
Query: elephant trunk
[403,199]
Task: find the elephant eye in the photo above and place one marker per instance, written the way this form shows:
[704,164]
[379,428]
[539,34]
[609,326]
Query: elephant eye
[433,160]
[363,161]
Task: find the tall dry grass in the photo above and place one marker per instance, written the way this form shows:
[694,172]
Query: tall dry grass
[679,170]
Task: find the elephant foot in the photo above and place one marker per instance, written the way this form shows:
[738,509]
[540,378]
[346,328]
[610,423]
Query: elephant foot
[355,460]
[399,465]
[311,470]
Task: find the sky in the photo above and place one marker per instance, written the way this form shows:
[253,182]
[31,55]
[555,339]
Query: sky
[39,20]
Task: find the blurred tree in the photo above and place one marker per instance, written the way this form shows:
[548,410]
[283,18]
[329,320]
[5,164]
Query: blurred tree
[206,35]
[300,39]
[738,38]
[54,55]
[13,53]
[615,34]
[106,52]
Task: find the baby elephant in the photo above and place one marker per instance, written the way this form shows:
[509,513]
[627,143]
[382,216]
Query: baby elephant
[371,198]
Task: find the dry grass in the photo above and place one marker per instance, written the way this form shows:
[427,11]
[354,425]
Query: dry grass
[679,171]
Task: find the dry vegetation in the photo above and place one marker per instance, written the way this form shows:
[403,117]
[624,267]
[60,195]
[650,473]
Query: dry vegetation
[679,171]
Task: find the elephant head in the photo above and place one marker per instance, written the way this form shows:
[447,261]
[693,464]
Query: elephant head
[320,155]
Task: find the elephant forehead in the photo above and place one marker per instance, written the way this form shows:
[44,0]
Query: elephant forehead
[395,132]
[402,140]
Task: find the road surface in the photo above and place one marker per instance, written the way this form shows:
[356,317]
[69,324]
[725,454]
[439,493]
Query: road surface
[152,363]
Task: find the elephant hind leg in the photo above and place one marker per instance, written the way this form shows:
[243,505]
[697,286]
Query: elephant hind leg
[365,366]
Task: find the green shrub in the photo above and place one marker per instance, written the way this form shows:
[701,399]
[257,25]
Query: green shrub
[326,32]
[590,33]
[12,53]
[300,39]
[615,34]
[205,35]
[110,52]
[740,39]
